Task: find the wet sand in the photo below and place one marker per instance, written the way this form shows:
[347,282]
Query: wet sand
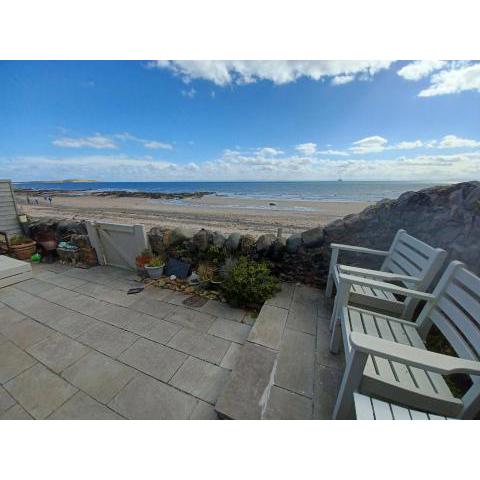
[224,214]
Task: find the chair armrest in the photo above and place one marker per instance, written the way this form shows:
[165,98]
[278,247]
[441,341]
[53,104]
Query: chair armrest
[389,287]
[365,272]
[353,248]
[416,357]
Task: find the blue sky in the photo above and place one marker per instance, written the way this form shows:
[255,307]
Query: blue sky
[240,120]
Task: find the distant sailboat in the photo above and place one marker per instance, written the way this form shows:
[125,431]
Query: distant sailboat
[339,180]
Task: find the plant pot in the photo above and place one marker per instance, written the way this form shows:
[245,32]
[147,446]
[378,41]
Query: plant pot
[23,251]
[154,272]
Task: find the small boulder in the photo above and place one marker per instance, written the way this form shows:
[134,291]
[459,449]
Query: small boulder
[218,240]
[246,244]
[233,242]
[294,242]
[278,248]
[179,235]
[202,239]
[313,237]
[264,243]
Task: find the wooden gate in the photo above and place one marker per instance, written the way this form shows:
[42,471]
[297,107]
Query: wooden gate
[117,245]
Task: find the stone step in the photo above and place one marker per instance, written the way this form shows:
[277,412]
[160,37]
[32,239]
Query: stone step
[271,379]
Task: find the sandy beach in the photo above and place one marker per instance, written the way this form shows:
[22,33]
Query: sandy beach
[224,214]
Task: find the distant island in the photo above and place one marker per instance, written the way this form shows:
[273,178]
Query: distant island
[69,180]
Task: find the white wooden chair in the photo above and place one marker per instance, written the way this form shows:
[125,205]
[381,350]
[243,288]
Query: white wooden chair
[409,262]
[386,357]
[369,408]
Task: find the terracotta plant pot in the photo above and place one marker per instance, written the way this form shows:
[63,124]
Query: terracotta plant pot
[23,251]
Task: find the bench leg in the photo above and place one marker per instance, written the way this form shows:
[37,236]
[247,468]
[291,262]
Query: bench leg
[352,378]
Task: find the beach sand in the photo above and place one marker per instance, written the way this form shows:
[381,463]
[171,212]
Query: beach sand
[223,214]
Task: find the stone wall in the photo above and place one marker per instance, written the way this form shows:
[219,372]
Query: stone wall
[444,216]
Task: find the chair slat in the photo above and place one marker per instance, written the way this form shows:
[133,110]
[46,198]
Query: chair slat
[416,415]
[363,407]
[400,413]
[402,265]
[382,410]
[466,300]
[420,260]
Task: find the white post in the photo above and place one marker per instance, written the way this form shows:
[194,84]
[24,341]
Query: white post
[333,264]
[352,378]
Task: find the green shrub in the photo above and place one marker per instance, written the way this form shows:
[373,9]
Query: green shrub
[249,283]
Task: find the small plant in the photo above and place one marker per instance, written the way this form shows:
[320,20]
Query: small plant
[144,258]
[249,283]
[157,261]
[19,240]
[206,271]
[215,255]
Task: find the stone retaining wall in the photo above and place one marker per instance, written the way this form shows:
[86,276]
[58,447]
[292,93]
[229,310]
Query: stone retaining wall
[443,216]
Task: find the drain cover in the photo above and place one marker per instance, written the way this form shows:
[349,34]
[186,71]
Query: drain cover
[195,301]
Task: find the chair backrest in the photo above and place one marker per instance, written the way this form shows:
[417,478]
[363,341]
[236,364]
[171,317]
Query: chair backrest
[456,313]
[410,256]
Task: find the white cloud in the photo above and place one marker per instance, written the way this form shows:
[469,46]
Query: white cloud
[420,69]
[99,141]
[157,145]
[96,141]
[369,145]
[457,79]
[190,93]
[240,72]
[333,152]
[307,148]
[407,145]
[342,79]
[452,141]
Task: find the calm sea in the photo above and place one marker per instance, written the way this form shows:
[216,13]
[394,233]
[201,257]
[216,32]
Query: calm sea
[334,191]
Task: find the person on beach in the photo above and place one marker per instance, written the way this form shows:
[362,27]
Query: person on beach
[28,200]
[50,200]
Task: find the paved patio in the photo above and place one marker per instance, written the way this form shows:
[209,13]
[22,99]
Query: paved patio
[74,345]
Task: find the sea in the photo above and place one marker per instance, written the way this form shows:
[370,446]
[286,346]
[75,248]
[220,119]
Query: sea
[319,190]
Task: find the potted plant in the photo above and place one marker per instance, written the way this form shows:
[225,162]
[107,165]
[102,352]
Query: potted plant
[155,266]
[208,274]
[141,260]
[21,247]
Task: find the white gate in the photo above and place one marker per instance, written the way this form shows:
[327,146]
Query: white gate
[117,245]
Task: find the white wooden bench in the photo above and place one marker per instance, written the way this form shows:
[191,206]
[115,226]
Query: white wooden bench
[386,357]
[369,408]
[409,262]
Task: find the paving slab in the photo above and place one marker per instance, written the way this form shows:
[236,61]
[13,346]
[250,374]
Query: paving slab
[99,376]
[327,384]
[72,323]
[39,391]
[110,295]
[162,331]
[15,413]
[221,309]
[283,298]
[34,286]
[154,359]
[8,317]
[60,279]
[201,379]
[286,405]
[107,339]
[83,407]
[296,362]
[191,318]
[3,339]
[230,330]
[203,411]
[247,389]
[231,357]
[6,400]
[27,333]
[303,317]
[58,352]
[13,361]
[152,306]
[145,398]
[201,345]
[269,326]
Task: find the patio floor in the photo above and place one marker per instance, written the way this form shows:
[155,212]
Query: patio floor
[74,345]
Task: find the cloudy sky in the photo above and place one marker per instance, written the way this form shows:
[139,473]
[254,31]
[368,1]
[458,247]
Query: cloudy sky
[240,120]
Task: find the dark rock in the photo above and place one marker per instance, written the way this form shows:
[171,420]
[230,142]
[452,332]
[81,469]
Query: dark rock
[202,239]
[179,235]
[233,242]
[277,250]
[313,238]
[293,242]
[218,240]
[264,242]
[246,244]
